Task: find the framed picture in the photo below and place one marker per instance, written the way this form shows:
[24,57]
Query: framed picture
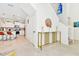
[76,24]
[59,8]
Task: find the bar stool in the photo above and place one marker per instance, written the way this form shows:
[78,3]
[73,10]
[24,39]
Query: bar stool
[9,35]
[14,34]
[1,36]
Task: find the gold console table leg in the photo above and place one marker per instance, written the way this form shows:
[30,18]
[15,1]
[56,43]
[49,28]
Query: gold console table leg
[40,40]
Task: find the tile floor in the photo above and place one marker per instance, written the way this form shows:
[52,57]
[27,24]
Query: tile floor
[25,48]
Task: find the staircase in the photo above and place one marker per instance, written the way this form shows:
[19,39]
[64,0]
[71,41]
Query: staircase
[63,29]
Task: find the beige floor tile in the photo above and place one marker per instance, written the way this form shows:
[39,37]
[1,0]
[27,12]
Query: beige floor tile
[24,48]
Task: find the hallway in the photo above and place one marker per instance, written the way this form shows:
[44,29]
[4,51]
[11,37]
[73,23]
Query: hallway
[27,49]
[41,26]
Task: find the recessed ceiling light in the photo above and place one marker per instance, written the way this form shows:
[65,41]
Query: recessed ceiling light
[3,13]
[10,5]
[13,15]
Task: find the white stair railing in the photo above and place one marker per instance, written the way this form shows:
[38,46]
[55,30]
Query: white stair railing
[63,29]
[64,33]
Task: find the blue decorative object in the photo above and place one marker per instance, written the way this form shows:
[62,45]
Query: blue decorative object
[59,10]
[76,24]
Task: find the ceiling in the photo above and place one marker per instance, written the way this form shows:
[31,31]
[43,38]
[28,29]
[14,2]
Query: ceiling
[11,12]
[16,11]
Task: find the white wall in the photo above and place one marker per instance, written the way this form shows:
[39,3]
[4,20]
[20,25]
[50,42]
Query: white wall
[74,16]
[30,28]
[63,22]
[44,11]
[73,11]
[64,16]
[37,21]
[70,14]
[64,33]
